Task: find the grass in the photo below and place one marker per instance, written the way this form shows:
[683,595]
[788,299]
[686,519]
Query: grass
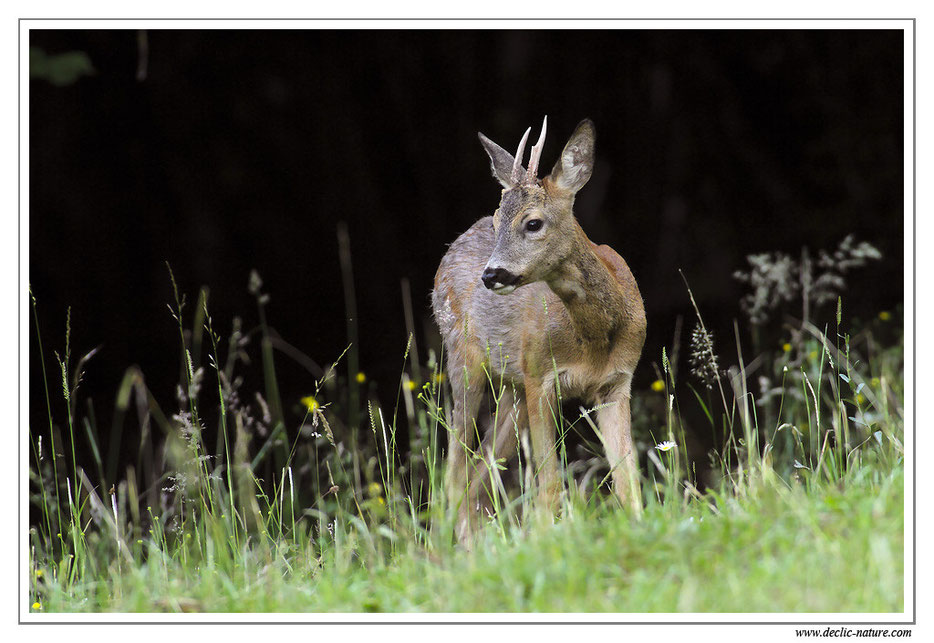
[785,551]
[239,503]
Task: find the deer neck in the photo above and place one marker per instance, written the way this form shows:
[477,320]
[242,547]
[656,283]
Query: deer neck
[590,293]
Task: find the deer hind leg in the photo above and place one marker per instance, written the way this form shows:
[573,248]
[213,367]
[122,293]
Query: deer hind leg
[614,422]
[500,442]
[467,396]
[541,403]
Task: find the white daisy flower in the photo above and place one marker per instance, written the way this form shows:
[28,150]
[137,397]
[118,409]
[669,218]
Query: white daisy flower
[667,445]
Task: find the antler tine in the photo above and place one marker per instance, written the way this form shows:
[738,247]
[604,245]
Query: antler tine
[531,175]
[517,164]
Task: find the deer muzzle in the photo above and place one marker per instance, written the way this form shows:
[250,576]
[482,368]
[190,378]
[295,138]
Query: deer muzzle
[499,280]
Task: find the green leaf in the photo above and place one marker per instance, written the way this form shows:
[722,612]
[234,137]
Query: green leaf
[59,69]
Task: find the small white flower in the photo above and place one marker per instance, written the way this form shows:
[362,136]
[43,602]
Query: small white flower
[667,445]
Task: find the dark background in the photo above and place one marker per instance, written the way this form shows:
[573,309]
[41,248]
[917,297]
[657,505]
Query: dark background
[244,149]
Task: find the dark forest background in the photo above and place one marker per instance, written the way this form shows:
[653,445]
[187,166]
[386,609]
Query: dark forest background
[227,151]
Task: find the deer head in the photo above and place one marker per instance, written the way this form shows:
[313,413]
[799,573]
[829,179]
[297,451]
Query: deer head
[534,225]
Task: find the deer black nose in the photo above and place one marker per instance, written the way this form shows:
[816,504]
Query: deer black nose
[497,276]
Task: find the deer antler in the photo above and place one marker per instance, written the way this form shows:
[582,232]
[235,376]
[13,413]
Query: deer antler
[516,175]
[531,175]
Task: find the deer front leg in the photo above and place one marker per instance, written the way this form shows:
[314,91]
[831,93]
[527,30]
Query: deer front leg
[613,421]
[461,440]
[541,403]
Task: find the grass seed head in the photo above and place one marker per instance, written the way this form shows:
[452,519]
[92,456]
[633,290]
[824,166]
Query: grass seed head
[703,359]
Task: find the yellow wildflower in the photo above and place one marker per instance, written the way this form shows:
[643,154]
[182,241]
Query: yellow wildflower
[658,386]
[310,403]
[438,377]
[885,315]
[411,385]
[37,605]
[361,377]
[786,347]
[374,488]
[860,398]
[874,382]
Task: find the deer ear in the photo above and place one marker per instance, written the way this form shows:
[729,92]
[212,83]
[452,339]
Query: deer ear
[500,161]
[573,169]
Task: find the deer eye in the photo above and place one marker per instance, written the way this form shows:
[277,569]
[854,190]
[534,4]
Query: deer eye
[533,224]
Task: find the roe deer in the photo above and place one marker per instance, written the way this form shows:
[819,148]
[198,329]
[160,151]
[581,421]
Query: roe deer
[526,298]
